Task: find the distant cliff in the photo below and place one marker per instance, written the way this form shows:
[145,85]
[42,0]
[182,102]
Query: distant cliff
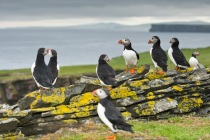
[179,28]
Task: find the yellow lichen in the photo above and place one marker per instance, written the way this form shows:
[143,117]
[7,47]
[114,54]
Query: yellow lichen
[177,88]
[198,83]
[196,94]
[70,121]
[67,109]
[54,97]
[150,109]
[82,114]
[140,69]
[44,109]
[138,83]
[189,103]
[10,113]
[154,75]
[121,92]
[82,100]
[150,95]
[126,114]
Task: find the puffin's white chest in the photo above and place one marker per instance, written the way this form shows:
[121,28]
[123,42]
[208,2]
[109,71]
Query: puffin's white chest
[101,114]
[193,62]
[130,57]
[152,58]
[170,51]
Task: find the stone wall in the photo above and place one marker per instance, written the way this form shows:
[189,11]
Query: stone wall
[12,91]
[144,95]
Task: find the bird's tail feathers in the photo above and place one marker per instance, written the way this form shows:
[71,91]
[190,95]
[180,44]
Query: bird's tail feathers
[126,127]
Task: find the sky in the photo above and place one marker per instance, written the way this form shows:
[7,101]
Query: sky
[49,13]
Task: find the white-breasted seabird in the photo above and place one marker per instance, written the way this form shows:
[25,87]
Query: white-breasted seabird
[130,55]
[109,114]
[41,72]
[105,72]
[158,55]
[194,63]
[176,55]
[53,65]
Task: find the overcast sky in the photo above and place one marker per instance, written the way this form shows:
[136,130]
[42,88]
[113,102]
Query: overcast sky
[21,13]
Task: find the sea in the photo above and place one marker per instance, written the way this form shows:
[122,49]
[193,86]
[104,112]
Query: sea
[18,46]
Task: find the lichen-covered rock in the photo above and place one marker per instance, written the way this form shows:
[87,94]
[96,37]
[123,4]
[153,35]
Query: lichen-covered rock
[152,107]
[143,95]
[8,125]
[49,127]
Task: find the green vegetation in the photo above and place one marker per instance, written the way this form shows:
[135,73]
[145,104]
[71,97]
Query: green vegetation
[117,63]
[176,128]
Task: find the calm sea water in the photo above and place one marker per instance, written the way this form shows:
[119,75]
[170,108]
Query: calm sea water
[18,47]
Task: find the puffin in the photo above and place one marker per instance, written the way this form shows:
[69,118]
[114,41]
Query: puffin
[41,72]
[158,55]
[53,65]
[176,56]
[109,114]
[131,57]
[194,61]
[105,72]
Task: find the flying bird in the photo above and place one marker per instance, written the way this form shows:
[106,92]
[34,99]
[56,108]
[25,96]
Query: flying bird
[194,61]
[130,55]
[40,71]
[158,55]
[53,65]
[109,114]
[176,55]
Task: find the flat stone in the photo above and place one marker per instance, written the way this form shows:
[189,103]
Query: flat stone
[8,125]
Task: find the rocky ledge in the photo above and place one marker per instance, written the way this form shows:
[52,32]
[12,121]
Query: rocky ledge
[144,95]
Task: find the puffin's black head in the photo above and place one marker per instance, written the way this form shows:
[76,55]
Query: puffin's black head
[104,57]
[52,52]
[124,42]
[153,40]
[43,51]
[194,54]
[174,41]
[101,93]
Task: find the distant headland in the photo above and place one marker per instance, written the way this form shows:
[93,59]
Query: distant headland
[179,28]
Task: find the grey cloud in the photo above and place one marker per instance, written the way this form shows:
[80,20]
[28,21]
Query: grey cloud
[51,9]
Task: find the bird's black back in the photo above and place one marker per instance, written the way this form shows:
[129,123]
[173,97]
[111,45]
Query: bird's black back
[114,115]
[42,72]
[179,56]
[159,56]
[53,67]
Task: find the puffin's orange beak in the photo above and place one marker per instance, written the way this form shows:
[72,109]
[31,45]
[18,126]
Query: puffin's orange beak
[120,42]
[149,42]
[94,93]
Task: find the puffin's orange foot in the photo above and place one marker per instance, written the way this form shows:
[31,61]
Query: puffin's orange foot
[113,137]
[132,71]
[160,72]
[109,88]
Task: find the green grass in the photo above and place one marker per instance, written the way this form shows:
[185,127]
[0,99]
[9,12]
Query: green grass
[117,63]
[176,128]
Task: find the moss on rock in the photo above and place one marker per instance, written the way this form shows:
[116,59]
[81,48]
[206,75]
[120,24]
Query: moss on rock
[82,100]
[122,92]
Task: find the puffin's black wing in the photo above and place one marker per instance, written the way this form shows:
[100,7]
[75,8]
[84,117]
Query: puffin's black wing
[180,58]
[160,57]
[137,55]
[106,73]
[115,117]
[43,76]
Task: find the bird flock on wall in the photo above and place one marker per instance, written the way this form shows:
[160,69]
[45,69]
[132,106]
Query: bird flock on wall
[45,76]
